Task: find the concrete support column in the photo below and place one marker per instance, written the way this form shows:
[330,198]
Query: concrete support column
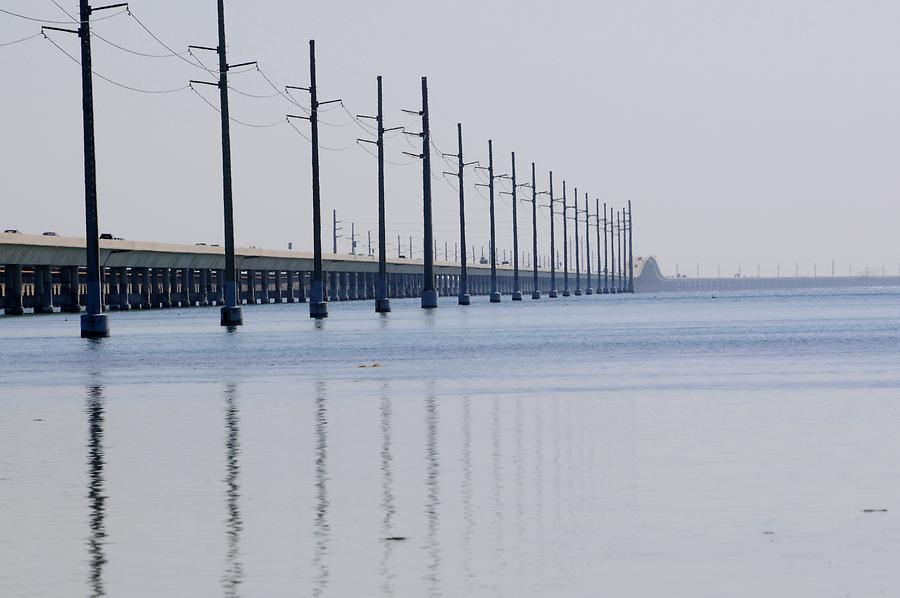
[124,289]
[344,279]
[12,297]
[251,287]
[168,278]
[69,291]
[352,287]
[203,295]
[188,294]
[301,287]
[220,287]
[370,285]
[264,287]
[290,292]
[43,290]
[279,282]
[333,286]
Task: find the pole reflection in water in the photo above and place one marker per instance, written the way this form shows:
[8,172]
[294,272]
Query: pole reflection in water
[499,557]
[234,571]
[96,498]
[468,518]
[387,490]
[520,474]
[433,577]
[321,531]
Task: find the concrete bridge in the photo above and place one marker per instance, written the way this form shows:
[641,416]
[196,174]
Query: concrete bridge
[46,274]
[649,279]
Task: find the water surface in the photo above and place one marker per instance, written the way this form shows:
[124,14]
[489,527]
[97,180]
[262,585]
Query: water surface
[649,445]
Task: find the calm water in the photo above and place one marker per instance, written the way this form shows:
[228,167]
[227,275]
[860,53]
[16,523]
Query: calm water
[678,446]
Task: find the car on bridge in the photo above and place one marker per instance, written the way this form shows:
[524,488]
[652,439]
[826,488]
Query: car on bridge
[13,231]
[50,233]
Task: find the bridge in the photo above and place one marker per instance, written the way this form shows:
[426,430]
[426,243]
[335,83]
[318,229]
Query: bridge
[650,279]
[45,274]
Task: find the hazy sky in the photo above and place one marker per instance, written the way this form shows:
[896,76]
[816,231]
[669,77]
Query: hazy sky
[743,131]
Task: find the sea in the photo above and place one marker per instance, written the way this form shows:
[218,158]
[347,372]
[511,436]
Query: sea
[677,445]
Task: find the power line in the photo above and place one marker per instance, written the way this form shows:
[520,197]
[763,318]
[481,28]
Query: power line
[19,41]
[37,20]
[231,118]
[326,148]
[136,52]
[113,82]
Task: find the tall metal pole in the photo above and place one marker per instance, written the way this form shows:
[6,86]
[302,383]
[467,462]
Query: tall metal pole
[94,323]
[622,249]
[318,307]
[630,252]
[334,232]
[517,293]
[565,213]
[619,249]
[536,289]
[599,258]
[612,250]
[605,251]
[587,244]
[495,294]
[577,250]
[429,295]
[382,302]
[463,268]
[553,292]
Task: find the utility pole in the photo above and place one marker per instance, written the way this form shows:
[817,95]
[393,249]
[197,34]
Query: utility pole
[495,294]
[464,298]
[318,307]
[630,250]
[599,260]
[577,250]
[369,233]
[587,244]
[399,248]
[565,215]
[536,289]
[553,294]
[94,323]
[335,232]
[612,251]
[429,295]
[620,217]
[605,251]
[231,314]
[517,293]
[382,302]
[446,254]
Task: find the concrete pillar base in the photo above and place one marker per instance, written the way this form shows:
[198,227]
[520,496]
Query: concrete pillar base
[535,294]
[429,299]
[589,292]
[382,306]
[43,309]
[94,326]
[495,297]
[553,294]
[318,309]
[14,311]
[464,299]
[566,294]
[517,296]
[578,292]
[232,316]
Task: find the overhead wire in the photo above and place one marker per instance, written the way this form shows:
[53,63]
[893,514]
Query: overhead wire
[322,147]
[19,41]
[114,82]
[231,118]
